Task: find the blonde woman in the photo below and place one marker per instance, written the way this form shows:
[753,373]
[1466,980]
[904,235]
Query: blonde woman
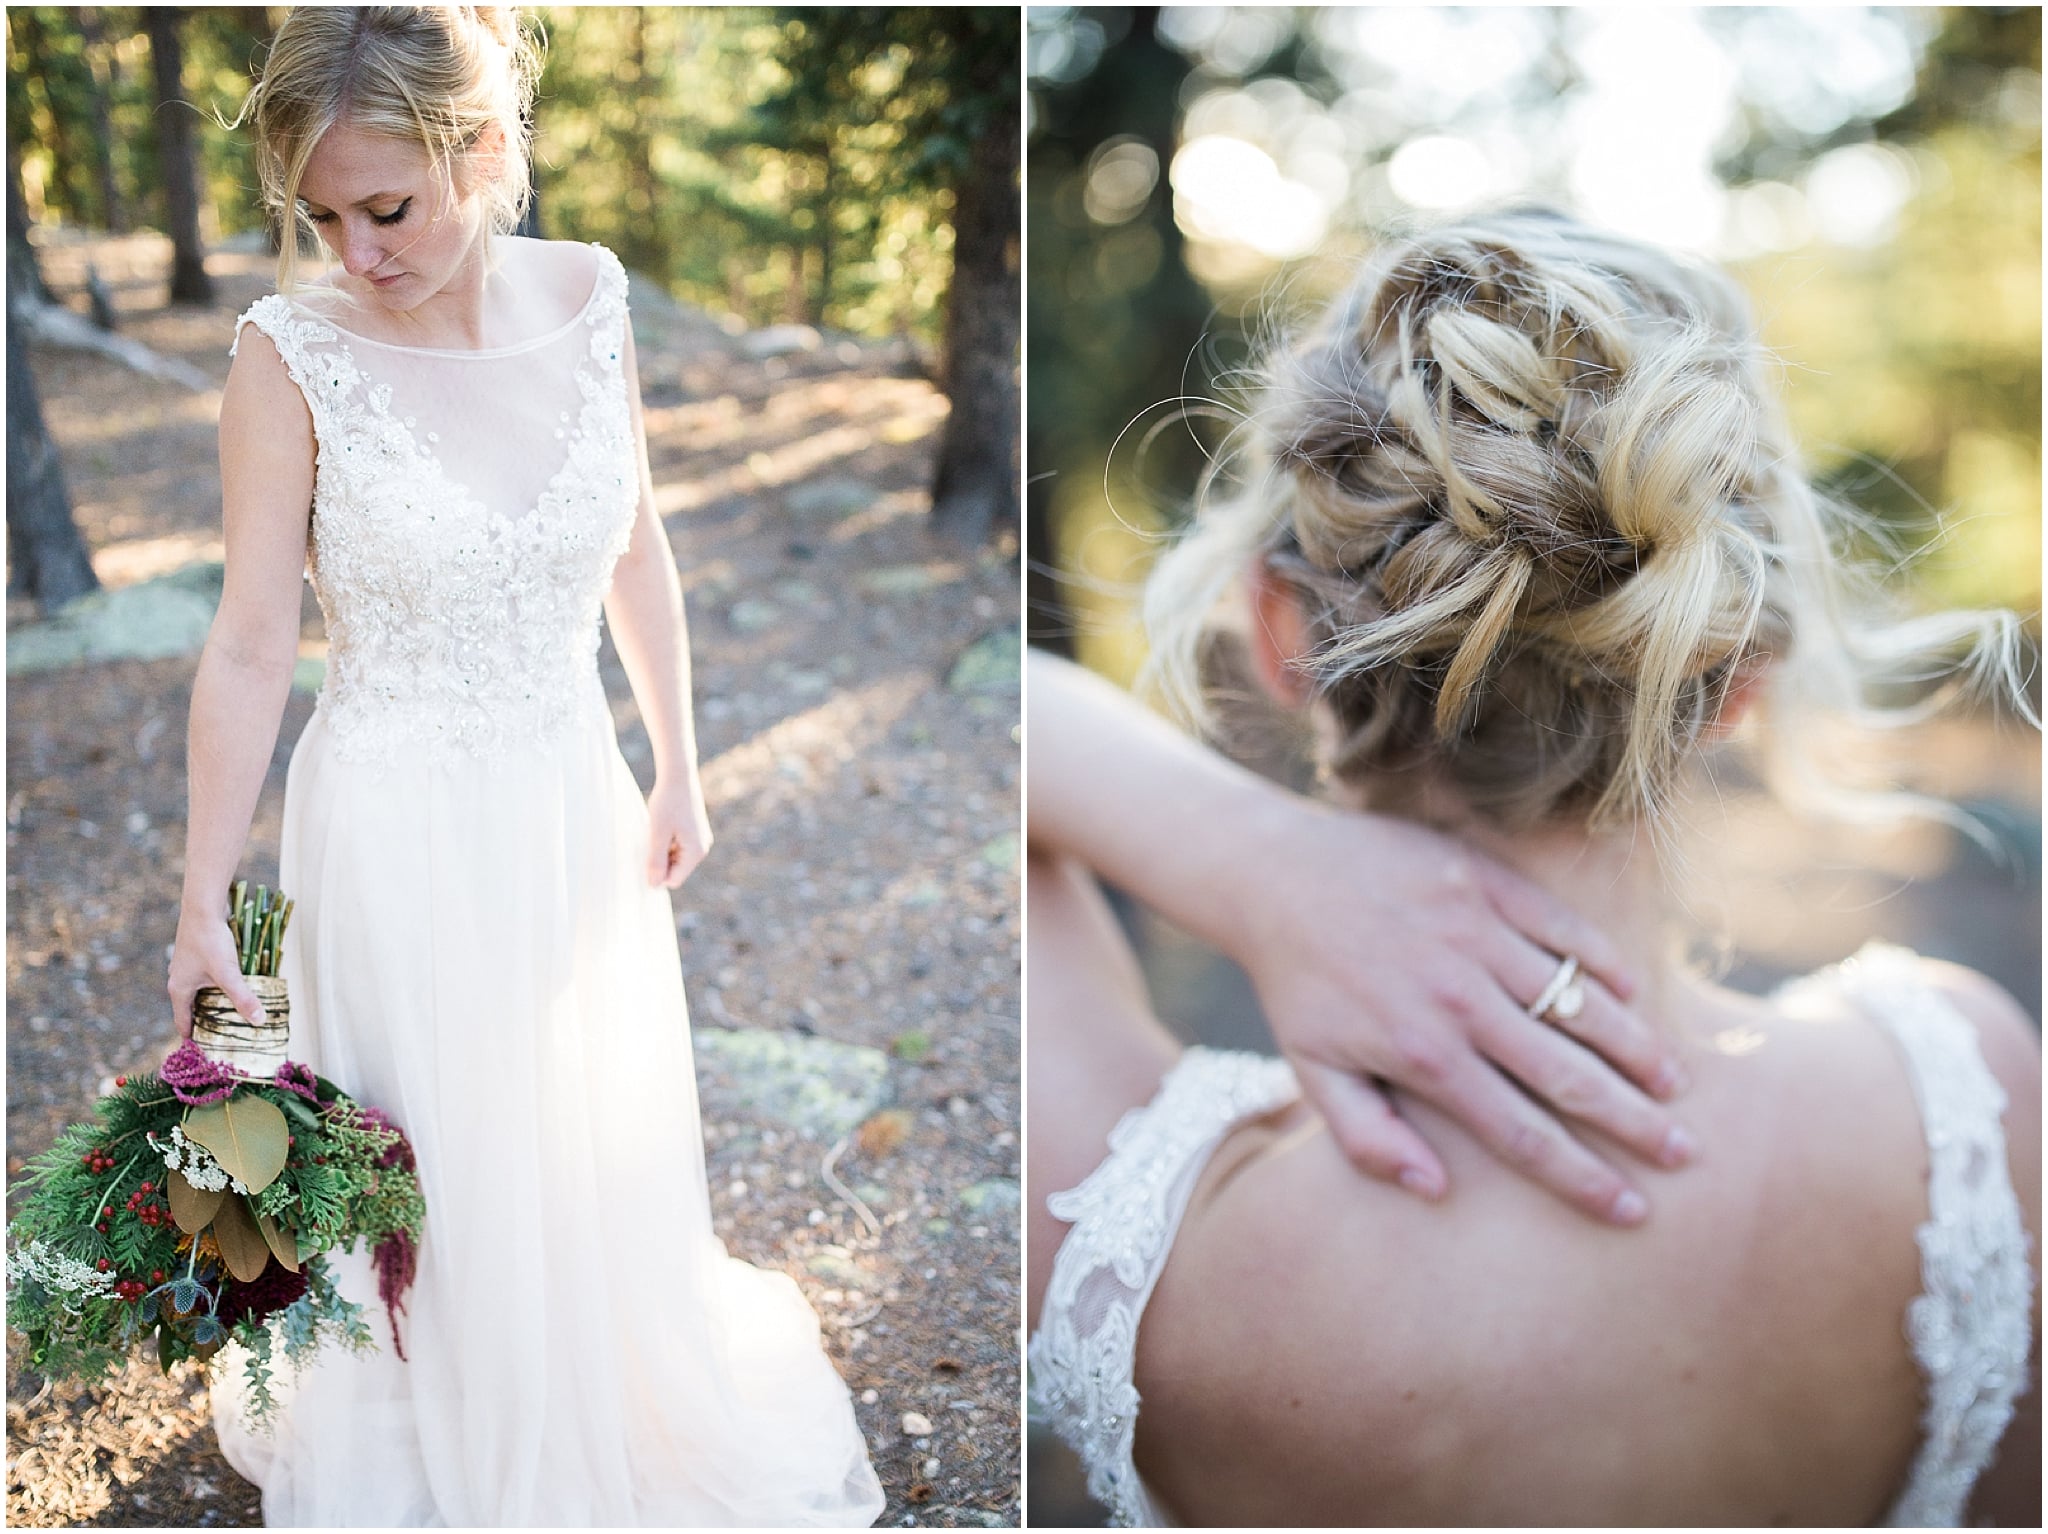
[447,431]
[1522,532]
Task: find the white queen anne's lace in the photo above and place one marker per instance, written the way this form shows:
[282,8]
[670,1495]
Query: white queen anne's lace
[451,624]
[1124,1216]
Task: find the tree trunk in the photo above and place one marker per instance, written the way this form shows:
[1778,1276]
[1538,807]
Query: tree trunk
[189,282]
[44,548]
[96,57]
[975,489]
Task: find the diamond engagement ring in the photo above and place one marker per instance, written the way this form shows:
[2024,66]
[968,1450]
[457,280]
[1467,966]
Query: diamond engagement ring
[1564,998]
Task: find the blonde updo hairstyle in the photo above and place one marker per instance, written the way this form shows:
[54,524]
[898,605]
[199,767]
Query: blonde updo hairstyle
[1541,510]
[440,76]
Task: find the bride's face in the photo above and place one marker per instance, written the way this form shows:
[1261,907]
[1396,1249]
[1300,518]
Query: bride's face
[396,223]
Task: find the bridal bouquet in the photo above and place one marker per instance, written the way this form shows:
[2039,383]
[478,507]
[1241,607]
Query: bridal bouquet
[196,1207]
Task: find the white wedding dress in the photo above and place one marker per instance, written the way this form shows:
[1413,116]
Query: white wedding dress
[477,952]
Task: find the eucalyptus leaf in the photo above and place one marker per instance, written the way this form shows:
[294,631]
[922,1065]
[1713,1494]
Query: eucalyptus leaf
[247,1134]
[242,1246]
[193,1208]
[283,1245]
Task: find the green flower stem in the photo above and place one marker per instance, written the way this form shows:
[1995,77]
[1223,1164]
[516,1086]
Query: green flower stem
[100,1202]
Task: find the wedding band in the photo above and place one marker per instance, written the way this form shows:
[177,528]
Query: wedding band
[1564,998]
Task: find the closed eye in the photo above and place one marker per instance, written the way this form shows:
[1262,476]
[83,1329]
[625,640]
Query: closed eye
[394,216]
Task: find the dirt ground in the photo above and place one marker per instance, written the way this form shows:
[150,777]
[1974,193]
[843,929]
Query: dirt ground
[863,889]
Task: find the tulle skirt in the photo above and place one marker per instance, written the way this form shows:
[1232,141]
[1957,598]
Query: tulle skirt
[476,951]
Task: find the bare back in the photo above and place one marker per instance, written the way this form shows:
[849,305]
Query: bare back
[1322,1349]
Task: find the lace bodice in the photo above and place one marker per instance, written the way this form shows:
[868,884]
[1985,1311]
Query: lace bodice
[1970,1329]
[468,508]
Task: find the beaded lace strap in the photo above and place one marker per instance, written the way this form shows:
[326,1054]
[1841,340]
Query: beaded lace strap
[1124,1216]
[294,334]
[1970,1328]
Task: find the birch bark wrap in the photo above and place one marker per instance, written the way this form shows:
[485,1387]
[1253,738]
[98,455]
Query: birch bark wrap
[224,1035]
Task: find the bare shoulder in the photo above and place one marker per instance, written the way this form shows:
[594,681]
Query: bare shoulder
[261,395]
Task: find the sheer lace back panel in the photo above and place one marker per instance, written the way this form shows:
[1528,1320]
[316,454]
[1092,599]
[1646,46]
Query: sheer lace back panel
[1124,1216]
[1971,1327]
[468,508]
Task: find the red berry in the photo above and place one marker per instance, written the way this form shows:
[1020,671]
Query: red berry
[120,1081]
[149,1187]
[156,1275]
[103,1264]
[101,1227]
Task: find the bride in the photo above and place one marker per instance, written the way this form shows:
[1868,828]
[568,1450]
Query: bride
[448,435]
[1522,534]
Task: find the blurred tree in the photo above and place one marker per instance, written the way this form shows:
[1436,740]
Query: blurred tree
[975,487]
[189,282]
[47,559]
[93,35]
[1114,311]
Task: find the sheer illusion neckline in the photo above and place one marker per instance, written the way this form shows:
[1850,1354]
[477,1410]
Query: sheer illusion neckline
[480,353]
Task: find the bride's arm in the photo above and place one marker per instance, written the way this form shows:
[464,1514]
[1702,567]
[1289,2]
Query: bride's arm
[245,672]
[1379,949]
[645,609]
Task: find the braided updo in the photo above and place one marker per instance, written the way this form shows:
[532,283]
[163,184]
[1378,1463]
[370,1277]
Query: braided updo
[1541,512]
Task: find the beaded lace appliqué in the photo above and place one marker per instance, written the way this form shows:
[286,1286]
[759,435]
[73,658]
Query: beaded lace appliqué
[451,624]
[1971,1327]
[1124,1216]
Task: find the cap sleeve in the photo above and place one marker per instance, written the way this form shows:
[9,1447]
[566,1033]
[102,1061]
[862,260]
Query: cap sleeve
[293,333]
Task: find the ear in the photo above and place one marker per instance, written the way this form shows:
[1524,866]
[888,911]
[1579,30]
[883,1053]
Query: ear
[1279,636]
[483,163]
[1745,690]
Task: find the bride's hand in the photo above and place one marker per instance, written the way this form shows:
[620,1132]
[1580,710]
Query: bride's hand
[678,831]
[1385,953]
[204,954]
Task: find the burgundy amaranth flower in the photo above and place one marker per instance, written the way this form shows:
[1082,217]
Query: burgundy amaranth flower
[294,1077]
[194,1079]
[270,1291]
[399,1151]
[397,1261]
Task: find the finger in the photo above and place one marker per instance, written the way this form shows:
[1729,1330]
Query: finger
[1612,1031]
[1373,1137]
[1527,1139]
[245,1002]
[657,862]
[1578,1084]
[181,1010]
[1543,920]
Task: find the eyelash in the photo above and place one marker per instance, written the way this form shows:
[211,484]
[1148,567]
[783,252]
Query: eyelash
[387,219]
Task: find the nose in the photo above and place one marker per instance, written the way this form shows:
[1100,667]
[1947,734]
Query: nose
[361,253]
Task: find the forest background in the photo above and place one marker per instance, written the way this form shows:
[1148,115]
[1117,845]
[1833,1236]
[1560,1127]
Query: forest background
[853,170]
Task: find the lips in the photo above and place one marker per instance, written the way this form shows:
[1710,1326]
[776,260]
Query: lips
[385,282]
